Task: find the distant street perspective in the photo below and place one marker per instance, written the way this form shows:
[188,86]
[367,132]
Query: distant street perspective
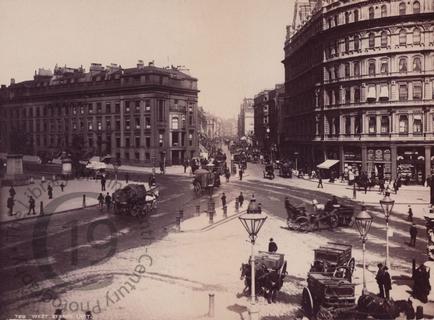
[218,159]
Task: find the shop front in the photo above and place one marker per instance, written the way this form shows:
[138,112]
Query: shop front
[411,165]
[352,161]
[379,163]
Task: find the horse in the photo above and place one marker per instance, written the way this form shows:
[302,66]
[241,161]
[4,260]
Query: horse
[381,308]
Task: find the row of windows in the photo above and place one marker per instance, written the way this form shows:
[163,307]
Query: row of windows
[414,7]
[374,67]
[374,93]
[375,40]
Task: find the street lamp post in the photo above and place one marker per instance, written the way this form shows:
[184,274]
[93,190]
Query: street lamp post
[387,205]
[363,222]
[252,222]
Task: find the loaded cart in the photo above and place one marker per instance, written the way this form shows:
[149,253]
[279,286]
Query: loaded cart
[135,200]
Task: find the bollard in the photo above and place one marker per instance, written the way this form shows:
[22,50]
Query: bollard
[225,211]
[237,205]
[84,201]
[41,210]
[419,312]
[181,214]
[211,305]
[178,223]
[198,210]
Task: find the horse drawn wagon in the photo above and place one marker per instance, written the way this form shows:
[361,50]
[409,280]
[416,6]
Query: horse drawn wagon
[285,170]
[269,171]
[205,180]
[270,271]
[136,199]
[331,215]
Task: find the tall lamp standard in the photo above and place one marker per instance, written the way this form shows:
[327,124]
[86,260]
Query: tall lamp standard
[252,222]
[387,205]
[269,143]
[363,222]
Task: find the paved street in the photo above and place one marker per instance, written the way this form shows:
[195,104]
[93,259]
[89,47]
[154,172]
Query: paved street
[76,260]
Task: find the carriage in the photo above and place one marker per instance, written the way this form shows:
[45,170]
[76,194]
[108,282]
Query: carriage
[285,170]
[205,180]
[135,199]
[270,271]
[334,259]
[269,171]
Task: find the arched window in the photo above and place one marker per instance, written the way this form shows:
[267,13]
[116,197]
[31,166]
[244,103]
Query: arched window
[357,68]
[384,39]
[402,37]
[416,7]
[371,68]
[417,64]
[356,15]
[384,124]
[403,64]
[347,44]
[371,13]
[416,36]
[347,70]
[175,123]
[403,124]
[402,9]
[356,43]
[384,69]
[383,11]
[371,40]
[347,17]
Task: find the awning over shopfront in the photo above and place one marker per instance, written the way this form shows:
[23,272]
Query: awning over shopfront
[327,164]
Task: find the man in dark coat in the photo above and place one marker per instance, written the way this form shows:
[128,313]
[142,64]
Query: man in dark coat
[272,246]
[10,205]
[241,199]
[380,279]
[320,182]
[387,282]
[50,191]
[108,201]
[103,183]
[12,192]
[288,208]
[240,173]
[31,205]
[223,200]
[413,234]
[421,287]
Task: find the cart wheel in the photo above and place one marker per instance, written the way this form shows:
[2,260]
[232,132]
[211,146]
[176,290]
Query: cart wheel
[334,220]
[303,223]
[307,302]
[135,211]
[351,265]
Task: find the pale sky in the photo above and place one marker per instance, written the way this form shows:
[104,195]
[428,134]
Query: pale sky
[233,47]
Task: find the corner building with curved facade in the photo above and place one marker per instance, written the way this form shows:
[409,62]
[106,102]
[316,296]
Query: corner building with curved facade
[359,78]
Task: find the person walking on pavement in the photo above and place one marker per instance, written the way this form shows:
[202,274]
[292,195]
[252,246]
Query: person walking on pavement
[240,173]
[227,174]
[413,235]
[31,205]
[185,165]
[101,201]
[12,192]
[410,214]
[380,279]
[62,186]
[387,282]
[223,198]
[127,178]
[241,199]
[108,201]
[10,205]
[103,183]
[50,191]
[272,246]
[320,182]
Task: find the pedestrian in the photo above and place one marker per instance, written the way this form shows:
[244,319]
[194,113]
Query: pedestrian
[127,177]
[185,165]
[103,183]
[413,235]
[161,167]
[62,186]
[288,208]
[410,214]
[381,185]
[101,201]
[421,286]
[50,191]
[108,201]
[152,181]
[240,173]
[31,205]
[10,205]
[380,279]
[320,182]
[241,199]
[223,198]
[12,192]
[227,174]
[272,246]
[387,282]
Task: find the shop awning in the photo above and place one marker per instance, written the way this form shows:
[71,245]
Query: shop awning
[327,164]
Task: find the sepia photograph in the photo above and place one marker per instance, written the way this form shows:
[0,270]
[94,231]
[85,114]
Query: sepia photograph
[216,159]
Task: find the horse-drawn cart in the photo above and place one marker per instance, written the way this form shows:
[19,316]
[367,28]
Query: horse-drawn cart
[270,271]
[269,171]
[205,180]
[135,199]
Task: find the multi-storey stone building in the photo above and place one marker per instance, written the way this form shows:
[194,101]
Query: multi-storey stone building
[140,115]
[246,123]
[359,79]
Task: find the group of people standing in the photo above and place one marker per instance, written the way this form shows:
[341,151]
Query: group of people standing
[107,200]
